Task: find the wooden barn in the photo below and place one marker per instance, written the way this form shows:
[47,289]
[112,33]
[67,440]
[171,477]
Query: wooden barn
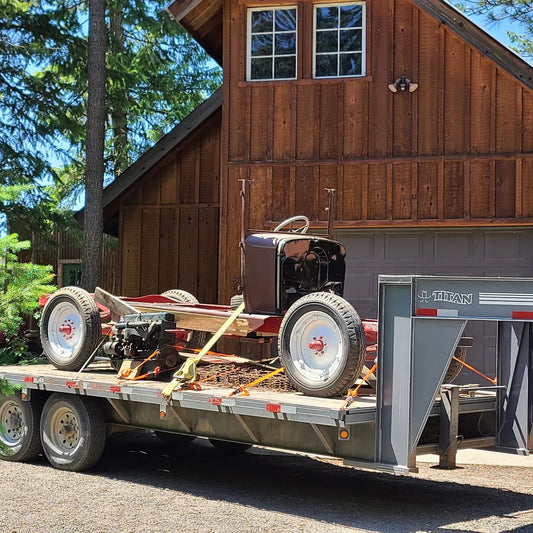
[420,120]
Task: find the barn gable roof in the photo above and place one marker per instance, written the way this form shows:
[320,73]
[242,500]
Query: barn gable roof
[152,156]
[203,20]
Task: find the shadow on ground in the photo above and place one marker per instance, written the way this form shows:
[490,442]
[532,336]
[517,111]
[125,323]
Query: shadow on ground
[308,488]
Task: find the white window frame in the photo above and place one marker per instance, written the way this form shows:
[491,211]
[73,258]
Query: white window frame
[249,43]
[338,53]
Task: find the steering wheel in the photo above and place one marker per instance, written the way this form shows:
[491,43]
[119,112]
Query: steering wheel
[297,218]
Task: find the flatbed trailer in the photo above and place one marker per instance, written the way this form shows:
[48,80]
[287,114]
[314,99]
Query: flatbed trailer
[285,420]
[421,321]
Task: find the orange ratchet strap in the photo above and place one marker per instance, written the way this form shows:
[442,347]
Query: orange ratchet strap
[352,394]
[243,389]
[493,381]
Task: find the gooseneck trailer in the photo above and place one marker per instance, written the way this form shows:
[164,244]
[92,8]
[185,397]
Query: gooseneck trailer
[68,412]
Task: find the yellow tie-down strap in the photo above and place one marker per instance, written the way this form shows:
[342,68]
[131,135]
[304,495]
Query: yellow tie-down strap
[187,372]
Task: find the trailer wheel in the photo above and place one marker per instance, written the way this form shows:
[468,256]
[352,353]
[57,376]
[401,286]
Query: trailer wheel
[322,344]
[19,427]
[195,339]
[70,328]
[73,432]
[229,447]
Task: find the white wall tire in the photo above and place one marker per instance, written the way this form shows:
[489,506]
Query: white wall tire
[70,328]
[322,344]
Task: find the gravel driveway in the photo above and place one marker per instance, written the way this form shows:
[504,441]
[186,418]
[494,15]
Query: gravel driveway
[141,486]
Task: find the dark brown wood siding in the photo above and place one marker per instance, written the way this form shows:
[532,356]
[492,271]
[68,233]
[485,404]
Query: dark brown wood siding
[64,249]
[169,220]
[458,151]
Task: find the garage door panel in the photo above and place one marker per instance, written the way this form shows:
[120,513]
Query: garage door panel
[446,252]
[451,247]
[402,246]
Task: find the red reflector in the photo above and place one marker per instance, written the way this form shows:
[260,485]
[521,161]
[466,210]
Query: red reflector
[273,408]
[115,388]
[215,401]
[70,384]
[426,312]
[524,315]
[28,379]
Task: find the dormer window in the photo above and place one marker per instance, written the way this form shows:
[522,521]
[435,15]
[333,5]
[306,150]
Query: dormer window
[339,43]
[272,35]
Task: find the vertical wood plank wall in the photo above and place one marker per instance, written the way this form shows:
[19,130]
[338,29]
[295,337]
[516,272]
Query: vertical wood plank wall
[169,220]
[65,248]
[458,151]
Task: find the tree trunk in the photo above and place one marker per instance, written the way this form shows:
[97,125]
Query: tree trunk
[119,120]
[93,224]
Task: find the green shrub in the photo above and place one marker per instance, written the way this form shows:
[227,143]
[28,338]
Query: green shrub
[21,285]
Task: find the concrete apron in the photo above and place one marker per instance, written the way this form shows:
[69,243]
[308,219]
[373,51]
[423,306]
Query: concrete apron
[487,456]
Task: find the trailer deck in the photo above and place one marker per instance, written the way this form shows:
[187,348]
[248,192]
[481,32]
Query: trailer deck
[288,420]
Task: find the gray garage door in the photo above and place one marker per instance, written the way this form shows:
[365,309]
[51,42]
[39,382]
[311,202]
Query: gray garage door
[472,252]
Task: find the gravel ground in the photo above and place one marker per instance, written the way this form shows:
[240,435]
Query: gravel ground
[141,486]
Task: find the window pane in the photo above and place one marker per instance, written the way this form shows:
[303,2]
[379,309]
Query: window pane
[285,43]
[351,40]
[326,65]
[351,16]
[261,45]
[350,64]
[285,67]
[262,21]
[327,17]
[286,20]
[327,41]
[261,69]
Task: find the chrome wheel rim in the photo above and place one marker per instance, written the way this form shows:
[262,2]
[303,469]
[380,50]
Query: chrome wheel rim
[66,330]
[12,424]
[316,347]
[64,435]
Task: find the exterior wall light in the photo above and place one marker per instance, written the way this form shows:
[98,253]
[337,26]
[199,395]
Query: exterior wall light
[403,84]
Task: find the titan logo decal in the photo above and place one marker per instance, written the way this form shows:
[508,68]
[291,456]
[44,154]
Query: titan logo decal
[445,296]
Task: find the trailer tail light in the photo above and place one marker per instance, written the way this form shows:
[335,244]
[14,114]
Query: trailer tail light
[115,388]
[28,379]
[273,408]
[215,401]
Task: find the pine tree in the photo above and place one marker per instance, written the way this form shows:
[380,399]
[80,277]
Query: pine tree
[517,11]
[156,75]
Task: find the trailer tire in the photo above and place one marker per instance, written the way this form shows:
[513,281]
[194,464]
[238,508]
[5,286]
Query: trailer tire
[19,427]
[455,367]
[73,310]
[334,361]
[197,339]
[73,432]
[229,447]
